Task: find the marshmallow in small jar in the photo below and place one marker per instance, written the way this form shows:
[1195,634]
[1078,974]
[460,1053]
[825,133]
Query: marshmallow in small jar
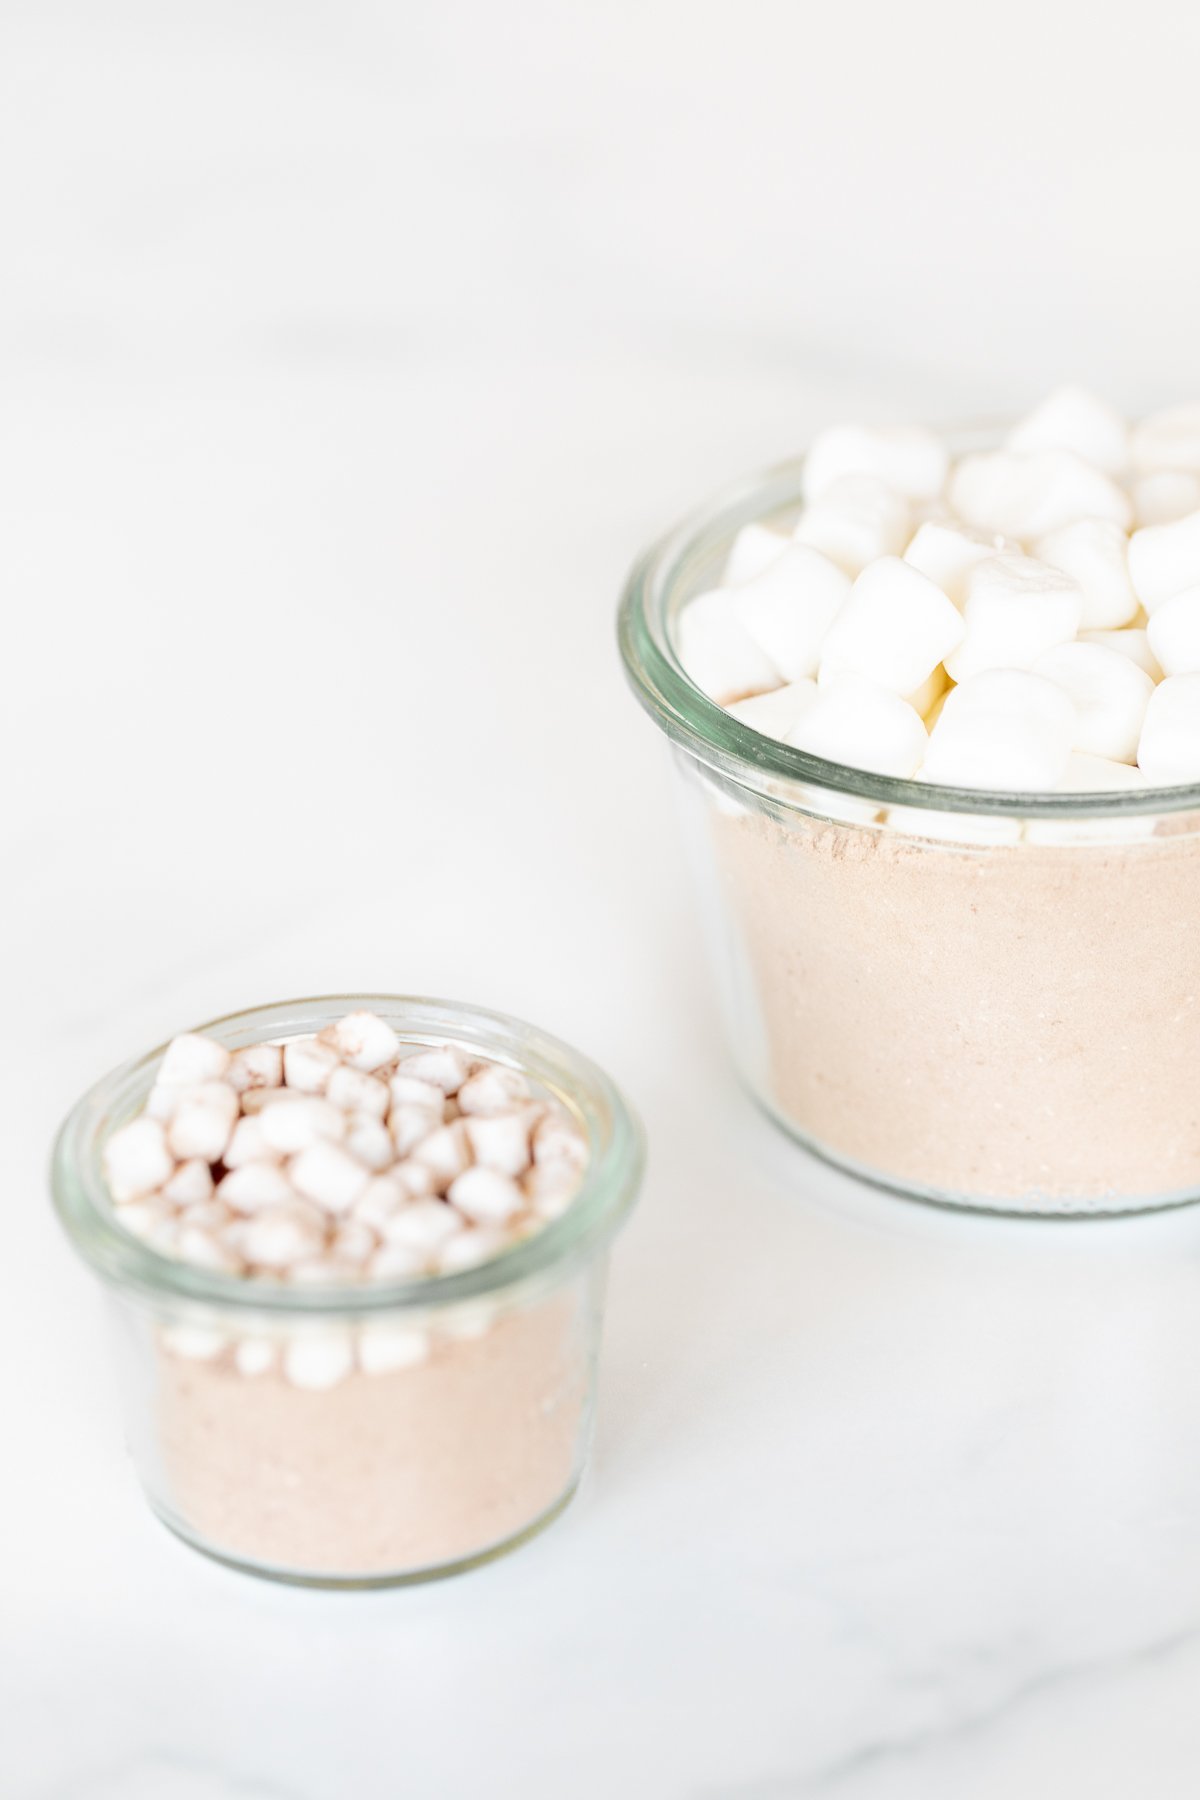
[293,1278]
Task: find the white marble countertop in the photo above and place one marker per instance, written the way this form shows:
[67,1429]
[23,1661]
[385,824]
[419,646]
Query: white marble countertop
[339,383]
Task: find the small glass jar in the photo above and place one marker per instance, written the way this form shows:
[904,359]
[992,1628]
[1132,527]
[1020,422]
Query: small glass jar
[983,999]
[459,1425]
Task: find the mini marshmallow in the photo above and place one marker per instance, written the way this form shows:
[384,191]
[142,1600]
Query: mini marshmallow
[1110,694]
[248,1145]
[864,727]
[486,1197]
[323,1271]
[258,1099]
[1174,633]
[470,1249]
[254,1355]
[356,1092]
[410,1125]
[1132,642]
[501,1141]
[443,1066]
[856,519]
[382,1349]
[550,1188]
[946,550]
[253,1186]
[1016,609]
[257,1066]
[1094,553]
[203,1122]
[310,1120]
[161,1102]
[912,461]
[380,1201]
[145,1218]
[788,609]
[893,630]
[363,1040]
[190,1059]
[369,1142]
[1029,496]
[494,1089]
[396,1262]
[354,1242]
[190,1185]
[1169,440]
[326,1174]
[1165,496]
[137,1160]
[717,651]
[753,549]
[777,714]
[445,1152]
[206,1215]
[1072,419]
[1003,729]
[1170,748]
[1164,560]
[1085,774]
[408,1090]
[416,1181]
[278,1235]
[556,1140]
[204,1251]
[423,1225]
[308,1064]
[318,1361]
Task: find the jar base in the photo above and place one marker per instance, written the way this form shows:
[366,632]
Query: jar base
[1037,1206]
[351,1583]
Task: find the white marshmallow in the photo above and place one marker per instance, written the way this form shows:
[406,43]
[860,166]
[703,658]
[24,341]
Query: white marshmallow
[954,828]
[323,1270]
[380,1201]
[382,1349]
[1016,609]
[356,1092]
[161,1102]
[1085,774]
[203,1122]
[278,1235]
[369,1142]
[318,1361]
[470,1249]
[1164,560]
[501,1141]
[1094,553]
[307,1065]
[207,1215]
[550,1188]
[253,1186]
[190,1059]
[190,1185]
[1174,633]
[788,609]
[494,1089]
[1030,496]
[254,1355]
[1166,495]
[558,1141]
[717,651]
[486,1197]
[1169,439]
[893,630]
[257,1066]
[946,551]
[446,1152]
[410,1125]
[856,519]
[137,1160]
[326,1174]
[363,1040]
[195,1343]
[258,1099]
[1110,695]
[777,714]
[248,1145]
[1003,729]
[408,1090]
[753,549]
[310,1120]
[146,1218]
[1072,419]
[443,1066]
[912,461]
[1132,642]
[416,1181]
[864,727]
[423,1225]
[397,1262]
[1170,748]
[354,1242]
[204,1251]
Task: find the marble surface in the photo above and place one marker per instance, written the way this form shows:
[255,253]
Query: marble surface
[347,356]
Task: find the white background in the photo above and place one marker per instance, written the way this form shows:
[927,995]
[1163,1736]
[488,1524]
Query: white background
[348,354]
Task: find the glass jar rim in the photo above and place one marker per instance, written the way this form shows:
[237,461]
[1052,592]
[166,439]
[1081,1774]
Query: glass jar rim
[616,1158]
[699,725]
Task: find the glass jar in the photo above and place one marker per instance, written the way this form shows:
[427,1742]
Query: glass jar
[984,999]
[459,1423]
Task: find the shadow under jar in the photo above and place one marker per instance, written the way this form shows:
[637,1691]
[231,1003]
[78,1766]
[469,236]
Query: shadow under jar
[984,999]
[461,1424]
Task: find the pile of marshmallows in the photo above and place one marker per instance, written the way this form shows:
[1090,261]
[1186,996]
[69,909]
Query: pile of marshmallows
[339,1159]
[1025,619]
